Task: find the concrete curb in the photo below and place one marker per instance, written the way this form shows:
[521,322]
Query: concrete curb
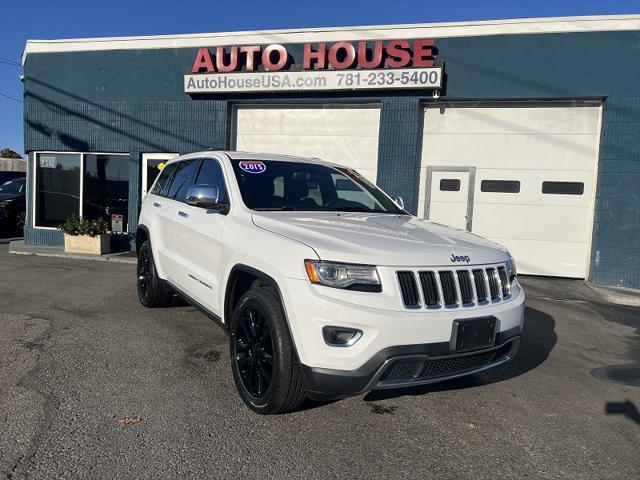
[18,248]
[618,295]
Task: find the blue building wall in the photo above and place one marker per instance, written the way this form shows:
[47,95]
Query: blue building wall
[133,101]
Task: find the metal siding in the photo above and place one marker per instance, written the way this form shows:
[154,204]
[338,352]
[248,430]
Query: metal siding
[616,232]
[399,148]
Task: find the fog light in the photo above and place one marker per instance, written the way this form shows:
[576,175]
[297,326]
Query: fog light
[341,336]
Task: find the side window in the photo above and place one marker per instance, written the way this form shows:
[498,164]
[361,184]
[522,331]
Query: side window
[211,174]
[160,188]
[184,177]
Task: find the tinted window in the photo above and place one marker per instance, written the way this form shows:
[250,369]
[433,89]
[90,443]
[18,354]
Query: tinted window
[57,188]
[500,186]
[563,188]
[106,186]
[211,174]
[450,185]
[276,185]
[161,185]
[184,177]
[13,186]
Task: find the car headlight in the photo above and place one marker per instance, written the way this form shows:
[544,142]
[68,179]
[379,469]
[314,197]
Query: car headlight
[511,268]
[363,278]
[5,203]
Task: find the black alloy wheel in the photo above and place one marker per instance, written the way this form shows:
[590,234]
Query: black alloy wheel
[145,274]
[152,291]
[264,363]
[254,352]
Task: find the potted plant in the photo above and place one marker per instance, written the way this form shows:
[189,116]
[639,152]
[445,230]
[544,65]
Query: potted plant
[82,235]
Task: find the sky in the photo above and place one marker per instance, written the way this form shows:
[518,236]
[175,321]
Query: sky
[49,19]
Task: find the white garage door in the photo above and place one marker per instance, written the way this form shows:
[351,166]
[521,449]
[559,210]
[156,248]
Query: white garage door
[347,135]
[522,175]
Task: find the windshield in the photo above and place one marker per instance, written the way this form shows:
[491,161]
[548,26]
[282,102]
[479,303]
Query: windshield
[275,185]
[13,186]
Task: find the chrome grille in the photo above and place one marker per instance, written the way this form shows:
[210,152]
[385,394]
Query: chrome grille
[409,289]
[429,286]
[453,288]
[449,292]
[480,284]
[466,289]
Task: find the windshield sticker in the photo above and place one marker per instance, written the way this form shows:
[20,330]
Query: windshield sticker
[252,166]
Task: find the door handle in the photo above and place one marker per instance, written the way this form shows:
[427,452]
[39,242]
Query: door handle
[156,204]
[183,214]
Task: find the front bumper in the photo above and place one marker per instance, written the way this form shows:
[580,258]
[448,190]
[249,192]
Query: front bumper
[411,365]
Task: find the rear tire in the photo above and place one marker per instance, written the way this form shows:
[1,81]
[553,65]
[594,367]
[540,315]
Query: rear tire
[152,291]
[264,363]
[19,221]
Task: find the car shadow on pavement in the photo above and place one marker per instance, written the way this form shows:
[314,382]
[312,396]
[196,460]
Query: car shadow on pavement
[627,409]
[538,340]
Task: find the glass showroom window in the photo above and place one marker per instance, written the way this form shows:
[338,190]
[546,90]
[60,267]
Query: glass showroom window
[84,184]
[106,187]
[57,192]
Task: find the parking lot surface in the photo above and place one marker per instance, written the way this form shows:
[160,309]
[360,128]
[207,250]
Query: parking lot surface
[93,385]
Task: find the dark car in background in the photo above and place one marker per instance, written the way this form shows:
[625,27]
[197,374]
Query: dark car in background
[12,203]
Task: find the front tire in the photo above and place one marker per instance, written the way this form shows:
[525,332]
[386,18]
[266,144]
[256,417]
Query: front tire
[265,366]
[152,292]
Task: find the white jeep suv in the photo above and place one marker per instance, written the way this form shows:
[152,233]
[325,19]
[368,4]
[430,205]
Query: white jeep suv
[326,285]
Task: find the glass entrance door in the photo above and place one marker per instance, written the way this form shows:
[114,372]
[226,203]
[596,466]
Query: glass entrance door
[152,165]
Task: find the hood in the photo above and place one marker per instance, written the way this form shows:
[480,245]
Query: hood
[381,239]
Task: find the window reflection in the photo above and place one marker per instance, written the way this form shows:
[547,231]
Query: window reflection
[106,187]
[57,188]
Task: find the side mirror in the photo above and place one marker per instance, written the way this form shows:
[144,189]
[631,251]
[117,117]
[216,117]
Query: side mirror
[204,196]
[399,201]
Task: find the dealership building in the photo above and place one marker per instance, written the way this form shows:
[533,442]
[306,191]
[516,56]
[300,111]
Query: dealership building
[525,131]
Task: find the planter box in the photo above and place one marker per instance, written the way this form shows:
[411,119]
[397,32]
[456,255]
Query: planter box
[85,244]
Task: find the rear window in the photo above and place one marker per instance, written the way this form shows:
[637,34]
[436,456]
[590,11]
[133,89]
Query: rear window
[163,180]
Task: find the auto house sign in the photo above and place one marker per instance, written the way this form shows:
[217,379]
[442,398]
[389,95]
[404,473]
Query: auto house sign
[361,65]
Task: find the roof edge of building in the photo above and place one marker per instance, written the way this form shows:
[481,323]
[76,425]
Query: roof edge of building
[518,26]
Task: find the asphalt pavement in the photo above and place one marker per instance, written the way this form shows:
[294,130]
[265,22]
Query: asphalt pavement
[93,385]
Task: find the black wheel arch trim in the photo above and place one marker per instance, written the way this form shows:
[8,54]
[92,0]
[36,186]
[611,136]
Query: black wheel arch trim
[142,227]
[240,267]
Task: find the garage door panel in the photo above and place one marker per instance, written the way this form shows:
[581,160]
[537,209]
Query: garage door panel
[345,135]
[252,121]
[548,233]
[354,122]
[532,222]
[531,188]
[554,258]
[571,152]
[505,120]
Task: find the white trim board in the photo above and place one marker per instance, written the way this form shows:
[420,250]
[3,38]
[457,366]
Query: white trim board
[302,35]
